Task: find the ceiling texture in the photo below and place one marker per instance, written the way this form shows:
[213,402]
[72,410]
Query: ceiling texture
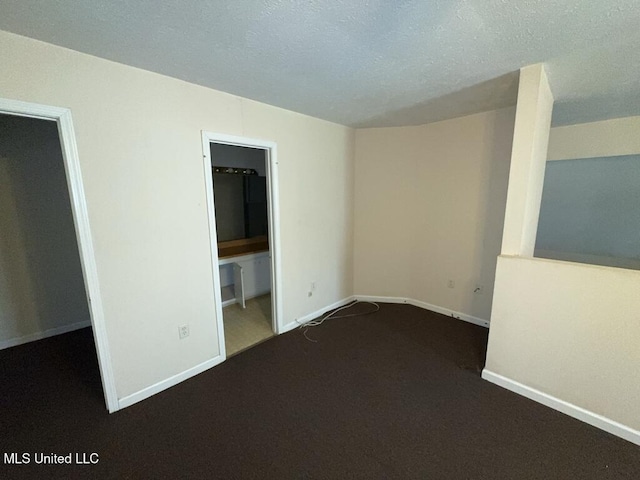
[364,63]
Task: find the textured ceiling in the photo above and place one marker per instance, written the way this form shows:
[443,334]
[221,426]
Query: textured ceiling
[364,62]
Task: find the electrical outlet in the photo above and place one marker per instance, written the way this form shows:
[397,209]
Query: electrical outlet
[183,331]
[451,284]
[479,289]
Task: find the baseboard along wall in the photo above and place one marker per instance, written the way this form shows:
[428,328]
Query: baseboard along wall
[52,332]
[318,313]
[158,387]
[174,380]
[567,408]
[579,413]
[427,306]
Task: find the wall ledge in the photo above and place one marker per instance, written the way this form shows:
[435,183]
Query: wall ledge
[579,413]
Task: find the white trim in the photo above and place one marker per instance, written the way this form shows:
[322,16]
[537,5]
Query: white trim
[594,419]
[451,313]
[318,313]
[211,218]
[273,195]
[376,298]
[32,337]
[427,306]
[270,149]
[31,110]
[169,382]
[83,231]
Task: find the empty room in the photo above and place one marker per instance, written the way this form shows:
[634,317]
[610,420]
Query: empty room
[267,239]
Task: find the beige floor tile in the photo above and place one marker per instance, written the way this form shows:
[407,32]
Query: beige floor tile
[244,328]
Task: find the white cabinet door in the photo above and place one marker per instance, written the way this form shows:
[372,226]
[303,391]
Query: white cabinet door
[238,284]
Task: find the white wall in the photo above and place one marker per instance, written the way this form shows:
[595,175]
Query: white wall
[570,331]
[528,161]
[41,283]
[430,207]
[618,136]
[565,333]
[140,148]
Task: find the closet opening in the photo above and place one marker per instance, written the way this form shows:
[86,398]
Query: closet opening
[46,337]
[242,174]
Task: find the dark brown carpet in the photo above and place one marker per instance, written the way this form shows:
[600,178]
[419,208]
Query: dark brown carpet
[396,394]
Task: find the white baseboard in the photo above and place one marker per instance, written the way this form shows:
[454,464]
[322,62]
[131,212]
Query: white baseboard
[598,421]
[427,306]
[169,382]
[147,392]
[32,337]
[451,313]
[374,298]
[310,316]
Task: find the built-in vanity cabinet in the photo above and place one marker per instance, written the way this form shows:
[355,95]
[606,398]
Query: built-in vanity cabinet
[244,269]
[244,276]
[240,198]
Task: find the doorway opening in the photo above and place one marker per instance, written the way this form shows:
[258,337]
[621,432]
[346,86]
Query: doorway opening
[48,280]
[42,289]
[243,216]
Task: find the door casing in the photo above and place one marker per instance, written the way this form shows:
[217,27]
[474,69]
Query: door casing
[62,117]
[273,211]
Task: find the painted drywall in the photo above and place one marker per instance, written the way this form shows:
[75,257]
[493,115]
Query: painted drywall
[590,207]
[618,136]
[429,208]
[140,149]
[528,161]
[614,139]
[570,331]
[566,330]
[41,283]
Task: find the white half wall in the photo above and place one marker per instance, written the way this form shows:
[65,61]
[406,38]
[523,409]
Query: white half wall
[570,331]
[429,208]
[564,334]
[140,148]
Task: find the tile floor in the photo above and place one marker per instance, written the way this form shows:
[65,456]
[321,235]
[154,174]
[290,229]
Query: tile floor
[245,328]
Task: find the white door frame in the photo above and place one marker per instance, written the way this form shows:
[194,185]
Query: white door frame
[62,116]
[270,149]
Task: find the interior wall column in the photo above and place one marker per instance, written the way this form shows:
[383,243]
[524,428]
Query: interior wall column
[528,159]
